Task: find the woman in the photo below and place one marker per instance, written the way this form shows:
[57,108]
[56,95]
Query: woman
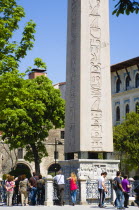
[73,187]
[9,189]
[23,190]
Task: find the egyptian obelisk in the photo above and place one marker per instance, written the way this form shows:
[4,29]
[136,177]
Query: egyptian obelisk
[88,123]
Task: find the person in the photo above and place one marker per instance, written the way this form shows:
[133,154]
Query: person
[102,189]
[33,187]
[9,186]
[40,190]
[126,186]
[119,191]
[59,178]
[16,190]
[23,184]
[73,187]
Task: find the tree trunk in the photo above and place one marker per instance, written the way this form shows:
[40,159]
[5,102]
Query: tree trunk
[36,159]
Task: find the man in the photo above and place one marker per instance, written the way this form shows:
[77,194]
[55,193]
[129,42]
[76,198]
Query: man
[119,191]
[33,186]
[126,186]
[59,179]
[102,189]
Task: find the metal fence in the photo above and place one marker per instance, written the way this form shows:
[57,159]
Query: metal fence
[92,194]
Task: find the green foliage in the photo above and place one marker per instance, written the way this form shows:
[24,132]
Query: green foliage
[11,51]
[126,140]
[126,6]
[39,63]
[28,110]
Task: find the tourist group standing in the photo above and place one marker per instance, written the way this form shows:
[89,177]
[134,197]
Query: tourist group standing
[122,188]
[22,191]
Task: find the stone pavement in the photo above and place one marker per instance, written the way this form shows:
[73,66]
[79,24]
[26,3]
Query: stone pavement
[66,207]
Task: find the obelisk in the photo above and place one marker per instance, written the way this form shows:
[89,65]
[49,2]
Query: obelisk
[88,90]
[88,123]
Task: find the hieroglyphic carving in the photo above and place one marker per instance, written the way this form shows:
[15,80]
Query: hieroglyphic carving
[73,43]
[95,74]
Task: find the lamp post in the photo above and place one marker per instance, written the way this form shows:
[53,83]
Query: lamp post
[55,154]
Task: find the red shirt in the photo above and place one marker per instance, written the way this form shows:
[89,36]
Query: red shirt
[73,185]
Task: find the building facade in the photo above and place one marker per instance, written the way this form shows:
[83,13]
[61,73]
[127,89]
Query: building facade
[125,89]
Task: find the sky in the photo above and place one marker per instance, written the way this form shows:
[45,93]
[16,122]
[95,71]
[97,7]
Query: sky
[51,31]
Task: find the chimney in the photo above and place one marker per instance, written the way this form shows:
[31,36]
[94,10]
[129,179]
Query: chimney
[36,72]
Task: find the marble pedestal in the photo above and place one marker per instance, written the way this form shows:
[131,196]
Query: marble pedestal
[90,168]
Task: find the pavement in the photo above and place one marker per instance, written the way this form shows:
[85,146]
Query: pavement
[66,207]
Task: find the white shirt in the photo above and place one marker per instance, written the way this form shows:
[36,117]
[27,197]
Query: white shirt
[100,180]
[60,179]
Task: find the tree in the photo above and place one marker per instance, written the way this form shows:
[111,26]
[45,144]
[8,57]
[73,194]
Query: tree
[126,139]
[28,110]
[126,6]
[11,51]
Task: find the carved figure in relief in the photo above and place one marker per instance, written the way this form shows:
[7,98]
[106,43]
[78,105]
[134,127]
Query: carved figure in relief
[96,130]
[95,79]
[96,103]
[95,68]
[95,32]
[94,41]
[96,114]
[95,91]
[95,23]
[94,6]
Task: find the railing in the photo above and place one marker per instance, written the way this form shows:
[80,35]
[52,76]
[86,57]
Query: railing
[92,194]
[134,184]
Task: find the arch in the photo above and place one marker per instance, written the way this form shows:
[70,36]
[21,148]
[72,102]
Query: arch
[137,107]
[137,80]
[21,168]
[127,109]
[117,113]
[127,82]
[25,163]
[53,168]
[118,82]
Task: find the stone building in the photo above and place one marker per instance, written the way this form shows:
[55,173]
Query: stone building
[125,88]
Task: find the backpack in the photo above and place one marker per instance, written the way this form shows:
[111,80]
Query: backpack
[40,185]
[114,184]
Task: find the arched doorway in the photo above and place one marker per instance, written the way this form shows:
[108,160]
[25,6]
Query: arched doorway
[53,169]
[20,169]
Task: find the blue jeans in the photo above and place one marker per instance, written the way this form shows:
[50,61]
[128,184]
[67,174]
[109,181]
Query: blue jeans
[33,195]
[73,195]
[102,197]
[119,198]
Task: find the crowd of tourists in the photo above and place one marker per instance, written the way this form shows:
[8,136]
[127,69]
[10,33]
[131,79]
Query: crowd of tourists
[121,186]
[24,191]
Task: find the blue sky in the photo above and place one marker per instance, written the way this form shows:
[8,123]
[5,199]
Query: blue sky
[50,45]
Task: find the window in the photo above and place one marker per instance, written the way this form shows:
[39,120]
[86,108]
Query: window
[20,153]
[137,80]
[127,109]
[55,154]
[137,107]
[118,85]
[62,134]
[127,82]
[118,113]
